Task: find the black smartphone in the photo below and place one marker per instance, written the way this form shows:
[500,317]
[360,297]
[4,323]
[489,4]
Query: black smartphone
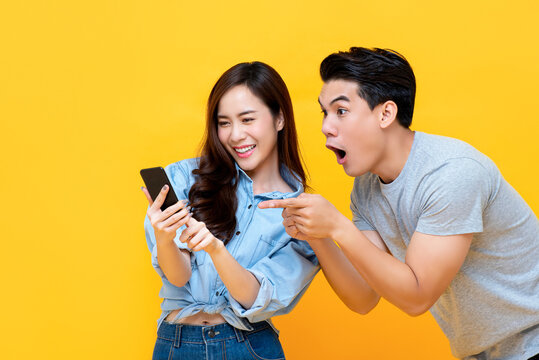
[154,179]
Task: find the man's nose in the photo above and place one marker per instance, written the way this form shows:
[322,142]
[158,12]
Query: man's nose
[328,127]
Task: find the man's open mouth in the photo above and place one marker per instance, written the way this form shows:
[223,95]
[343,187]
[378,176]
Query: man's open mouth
[341,154]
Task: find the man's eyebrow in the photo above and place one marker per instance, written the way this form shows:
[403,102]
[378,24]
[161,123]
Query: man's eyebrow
[342,97]
[221,116]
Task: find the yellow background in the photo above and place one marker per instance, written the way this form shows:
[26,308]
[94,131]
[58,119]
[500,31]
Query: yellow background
[93,91]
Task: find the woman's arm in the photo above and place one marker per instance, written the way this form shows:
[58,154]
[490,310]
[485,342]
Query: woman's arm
[175,263]
[240,283]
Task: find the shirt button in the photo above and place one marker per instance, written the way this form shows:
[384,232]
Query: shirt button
[250,206]
[238,232]
[211,333]
[217,293]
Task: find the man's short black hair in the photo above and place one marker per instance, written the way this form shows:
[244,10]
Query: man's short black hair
[381,75]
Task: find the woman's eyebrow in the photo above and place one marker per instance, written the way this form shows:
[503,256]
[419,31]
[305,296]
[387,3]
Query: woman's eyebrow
[246,112]
[222,116]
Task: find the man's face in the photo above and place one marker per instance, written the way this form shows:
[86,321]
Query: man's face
[351,128]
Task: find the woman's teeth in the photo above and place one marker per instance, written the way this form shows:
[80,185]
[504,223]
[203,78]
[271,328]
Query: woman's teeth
[244,149]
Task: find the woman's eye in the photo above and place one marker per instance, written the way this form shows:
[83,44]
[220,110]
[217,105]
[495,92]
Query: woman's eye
[222,123]
[341,111]
[247,119]
[325,113]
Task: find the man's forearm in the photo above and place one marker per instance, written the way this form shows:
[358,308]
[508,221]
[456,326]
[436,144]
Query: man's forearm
[344,279]
[386,275]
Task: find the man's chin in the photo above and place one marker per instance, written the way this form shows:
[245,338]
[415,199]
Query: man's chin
[351,171]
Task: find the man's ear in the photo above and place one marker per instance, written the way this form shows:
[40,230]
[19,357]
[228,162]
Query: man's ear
[279,121]
[388,113]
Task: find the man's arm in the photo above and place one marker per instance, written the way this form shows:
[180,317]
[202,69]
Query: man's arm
[414,285]
[344,279]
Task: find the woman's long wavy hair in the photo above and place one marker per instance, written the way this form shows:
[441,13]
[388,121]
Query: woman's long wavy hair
[213,195]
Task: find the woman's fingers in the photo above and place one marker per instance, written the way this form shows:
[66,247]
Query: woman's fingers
[172,219]
[159,200]
[207,240]
[179,224]
[172,209]
[191,231]
[197,238]
[148,197]
[159,216]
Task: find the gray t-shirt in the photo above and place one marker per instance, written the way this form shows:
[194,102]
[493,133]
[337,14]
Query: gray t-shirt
[446,188]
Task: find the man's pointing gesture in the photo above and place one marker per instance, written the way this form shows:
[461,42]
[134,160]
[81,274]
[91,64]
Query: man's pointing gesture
[307,217]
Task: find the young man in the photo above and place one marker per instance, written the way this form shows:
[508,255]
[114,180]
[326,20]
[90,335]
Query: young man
[435,225]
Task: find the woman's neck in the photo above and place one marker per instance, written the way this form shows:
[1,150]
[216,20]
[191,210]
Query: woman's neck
[267,177]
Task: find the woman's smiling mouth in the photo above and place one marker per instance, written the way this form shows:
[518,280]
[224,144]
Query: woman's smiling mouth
[244,151]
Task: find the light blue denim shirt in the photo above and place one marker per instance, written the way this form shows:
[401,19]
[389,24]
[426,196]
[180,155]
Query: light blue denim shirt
[283,266]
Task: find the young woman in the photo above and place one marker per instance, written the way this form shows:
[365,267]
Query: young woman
[227,266]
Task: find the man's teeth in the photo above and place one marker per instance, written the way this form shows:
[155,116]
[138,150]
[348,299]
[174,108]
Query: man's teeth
[245,149]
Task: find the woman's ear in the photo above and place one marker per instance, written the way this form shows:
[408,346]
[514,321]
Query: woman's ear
[279,121]
[388,113]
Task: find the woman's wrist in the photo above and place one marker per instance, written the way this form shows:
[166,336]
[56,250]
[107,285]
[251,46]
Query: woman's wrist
[216,248]
[165,243]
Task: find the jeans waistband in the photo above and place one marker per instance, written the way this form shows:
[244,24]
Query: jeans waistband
[199,334]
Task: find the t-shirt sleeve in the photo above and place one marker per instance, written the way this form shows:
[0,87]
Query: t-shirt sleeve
[361,222]
[454,196]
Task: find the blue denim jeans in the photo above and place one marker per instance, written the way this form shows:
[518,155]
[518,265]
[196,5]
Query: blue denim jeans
[223,341]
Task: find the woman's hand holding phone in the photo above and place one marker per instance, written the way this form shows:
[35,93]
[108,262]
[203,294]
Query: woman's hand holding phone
[165,223]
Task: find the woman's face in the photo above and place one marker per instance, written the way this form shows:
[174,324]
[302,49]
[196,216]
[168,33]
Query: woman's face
[248,130]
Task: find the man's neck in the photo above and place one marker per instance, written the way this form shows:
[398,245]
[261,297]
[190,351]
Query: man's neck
[399,145]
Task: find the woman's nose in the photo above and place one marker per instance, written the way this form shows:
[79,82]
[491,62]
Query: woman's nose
[237,134]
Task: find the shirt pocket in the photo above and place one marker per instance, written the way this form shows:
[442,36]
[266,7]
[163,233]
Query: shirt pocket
[265,246]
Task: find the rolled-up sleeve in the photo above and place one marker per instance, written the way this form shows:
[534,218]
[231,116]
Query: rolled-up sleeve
[179,177]
[150,241]
[284,276]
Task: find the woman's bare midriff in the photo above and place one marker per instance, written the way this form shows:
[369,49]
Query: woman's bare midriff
[200,318]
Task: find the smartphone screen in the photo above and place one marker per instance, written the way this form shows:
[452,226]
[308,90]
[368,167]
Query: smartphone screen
[154,179]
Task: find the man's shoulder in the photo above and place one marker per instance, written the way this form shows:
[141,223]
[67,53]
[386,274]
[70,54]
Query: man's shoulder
[441,152]
[444,147]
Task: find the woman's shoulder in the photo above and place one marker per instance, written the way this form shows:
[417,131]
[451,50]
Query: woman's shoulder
[185,165]
[180,173]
